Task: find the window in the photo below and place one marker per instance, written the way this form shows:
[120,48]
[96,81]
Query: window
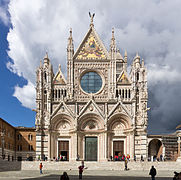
[91,82]
[45,76]
[30,147]
[19,148]
[30,137]
[137,76]
[19,136]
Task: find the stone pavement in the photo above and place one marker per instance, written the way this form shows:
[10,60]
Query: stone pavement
[87,175]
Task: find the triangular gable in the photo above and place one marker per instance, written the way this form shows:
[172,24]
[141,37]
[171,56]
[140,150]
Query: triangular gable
[59,78]
[62,108]
[119,108]
[123,78]
[91,47]
[91,107]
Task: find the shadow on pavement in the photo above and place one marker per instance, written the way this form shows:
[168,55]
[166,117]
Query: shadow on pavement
[10,166]
[73,177]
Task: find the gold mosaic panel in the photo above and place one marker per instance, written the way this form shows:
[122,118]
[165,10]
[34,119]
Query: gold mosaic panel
[123,79]
[91,50]
[59,79]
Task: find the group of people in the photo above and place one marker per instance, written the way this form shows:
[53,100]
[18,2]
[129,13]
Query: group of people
[65,176]
[81,168]
[120,157]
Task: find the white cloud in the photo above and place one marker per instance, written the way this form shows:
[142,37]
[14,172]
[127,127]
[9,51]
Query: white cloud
[150,27]
[26,95]
[3,14]
[162,74]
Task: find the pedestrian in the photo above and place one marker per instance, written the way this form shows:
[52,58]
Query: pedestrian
[126,164]
[81,167]
[152,172]
[41,167]
[64,176]
[142,158]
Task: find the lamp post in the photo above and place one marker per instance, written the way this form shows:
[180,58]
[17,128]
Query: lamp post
[2,140]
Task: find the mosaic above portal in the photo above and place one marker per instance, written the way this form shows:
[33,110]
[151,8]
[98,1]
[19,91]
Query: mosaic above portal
[124,79]
[91,50]
[59,79]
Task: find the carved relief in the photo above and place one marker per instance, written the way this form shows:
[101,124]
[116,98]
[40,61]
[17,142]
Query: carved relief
[90,125]
[64,126]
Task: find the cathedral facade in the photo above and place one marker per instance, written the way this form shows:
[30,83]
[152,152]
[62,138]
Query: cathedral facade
[99,111]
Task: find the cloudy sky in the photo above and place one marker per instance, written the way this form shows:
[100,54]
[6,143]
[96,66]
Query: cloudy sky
[30,28]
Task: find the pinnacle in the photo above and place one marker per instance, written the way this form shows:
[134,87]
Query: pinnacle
[125,53]
[46,55]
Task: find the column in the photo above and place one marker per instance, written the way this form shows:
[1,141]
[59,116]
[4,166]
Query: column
[49,146]
[179,140]
[178,146]
[73,141]
[132,143]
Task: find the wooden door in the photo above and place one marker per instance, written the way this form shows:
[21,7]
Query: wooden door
[63,150]
[118,148]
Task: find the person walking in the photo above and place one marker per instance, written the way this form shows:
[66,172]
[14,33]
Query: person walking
[64,176]
[152,172]
[41,167]
[126,164]
[81,167]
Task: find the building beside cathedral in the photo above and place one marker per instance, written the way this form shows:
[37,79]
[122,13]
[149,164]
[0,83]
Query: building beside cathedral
[99,111]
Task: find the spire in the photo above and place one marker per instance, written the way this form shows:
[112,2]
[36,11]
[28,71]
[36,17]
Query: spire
[70,40]
[59,67]
[137,56]
[142,63]
[46,59]
[125,56]
[70,46]
[40,63]
[92,18]
[46,55]
[113,42]
[113,34]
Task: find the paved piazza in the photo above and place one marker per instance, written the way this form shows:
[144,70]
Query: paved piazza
[88,174]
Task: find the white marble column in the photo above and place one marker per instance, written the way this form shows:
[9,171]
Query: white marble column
[179,141]
[132,146]
[49,146]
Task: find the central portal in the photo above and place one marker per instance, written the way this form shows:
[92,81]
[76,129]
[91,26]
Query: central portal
[91,148]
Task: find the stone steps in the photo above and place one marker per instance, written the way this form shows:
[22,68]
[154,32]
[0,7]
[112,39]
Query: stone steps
[34,165]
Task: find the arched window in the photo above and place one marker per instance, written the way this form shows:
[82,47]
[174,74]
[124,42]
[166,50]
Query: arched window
[123,93]
[30,137]
[126,94]
[45,76]
[137,76]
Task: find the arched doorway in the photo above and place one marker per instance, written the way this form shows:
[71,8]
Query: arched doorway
[118,138]
[155,149]
[91,137]
[61,138]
